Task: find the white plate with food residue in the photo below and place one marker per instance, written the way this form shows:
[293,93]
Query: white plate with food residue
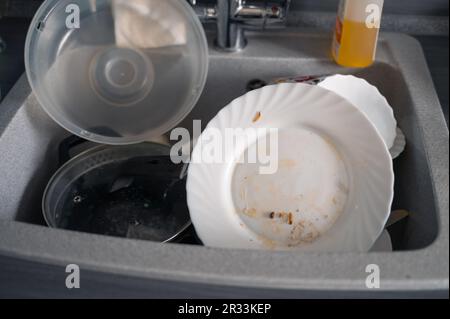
[322,179]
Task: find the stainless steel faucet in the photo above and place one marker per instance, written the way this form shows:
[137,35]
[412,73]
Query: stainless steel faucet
[233,17]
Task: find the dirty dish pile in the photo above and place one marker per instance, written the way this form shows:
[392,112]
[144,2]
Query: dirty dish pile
[332,186]
[124,72]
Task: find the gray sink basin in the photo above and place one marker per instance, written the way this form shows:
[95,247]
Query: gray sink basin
[419,265]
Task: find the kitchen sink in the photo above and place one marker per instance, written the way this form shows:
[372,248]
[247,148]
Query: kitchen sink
[418,266]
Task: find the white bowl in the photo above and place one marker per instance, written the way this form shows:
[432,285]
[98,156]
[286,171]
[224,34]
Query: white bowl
[333,188]
[399,144]
[369,100]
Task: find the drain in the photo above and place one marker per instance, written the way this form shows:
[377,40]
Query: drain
[255,84]
[77,199]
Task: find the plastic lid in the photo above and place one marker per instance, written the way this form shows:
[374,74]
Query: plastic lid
[117,71]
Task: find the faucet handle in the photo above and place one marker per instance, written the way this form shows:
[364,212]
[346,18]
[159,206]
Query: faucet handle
[277,12]
[260,14]
[205,10]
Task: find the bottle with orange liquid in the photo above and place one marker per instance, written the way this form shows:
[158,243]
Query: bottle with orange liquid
[356,35]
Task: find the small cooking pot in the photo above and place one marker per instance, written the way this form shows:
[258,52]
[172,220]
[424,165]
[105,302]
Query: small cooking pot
[132,191]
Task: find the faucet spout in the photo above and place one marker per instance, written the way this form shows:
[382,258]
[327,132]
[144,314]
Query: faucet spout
[230,35]
[233,17]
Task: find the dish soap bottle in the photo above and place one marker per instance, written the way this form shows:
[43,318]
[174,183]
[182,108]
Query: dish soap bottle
[356,35]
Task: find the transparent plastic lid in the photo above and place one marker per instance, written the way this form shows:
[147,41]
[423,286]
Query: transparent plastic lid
[117,71]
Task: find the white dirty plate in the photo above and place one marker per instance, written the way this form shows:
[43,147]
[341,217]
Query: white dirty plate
[333,188]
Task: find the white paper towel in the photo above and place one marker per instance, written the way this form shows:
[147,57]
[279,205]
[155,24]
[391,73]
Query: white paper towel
[148,24]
